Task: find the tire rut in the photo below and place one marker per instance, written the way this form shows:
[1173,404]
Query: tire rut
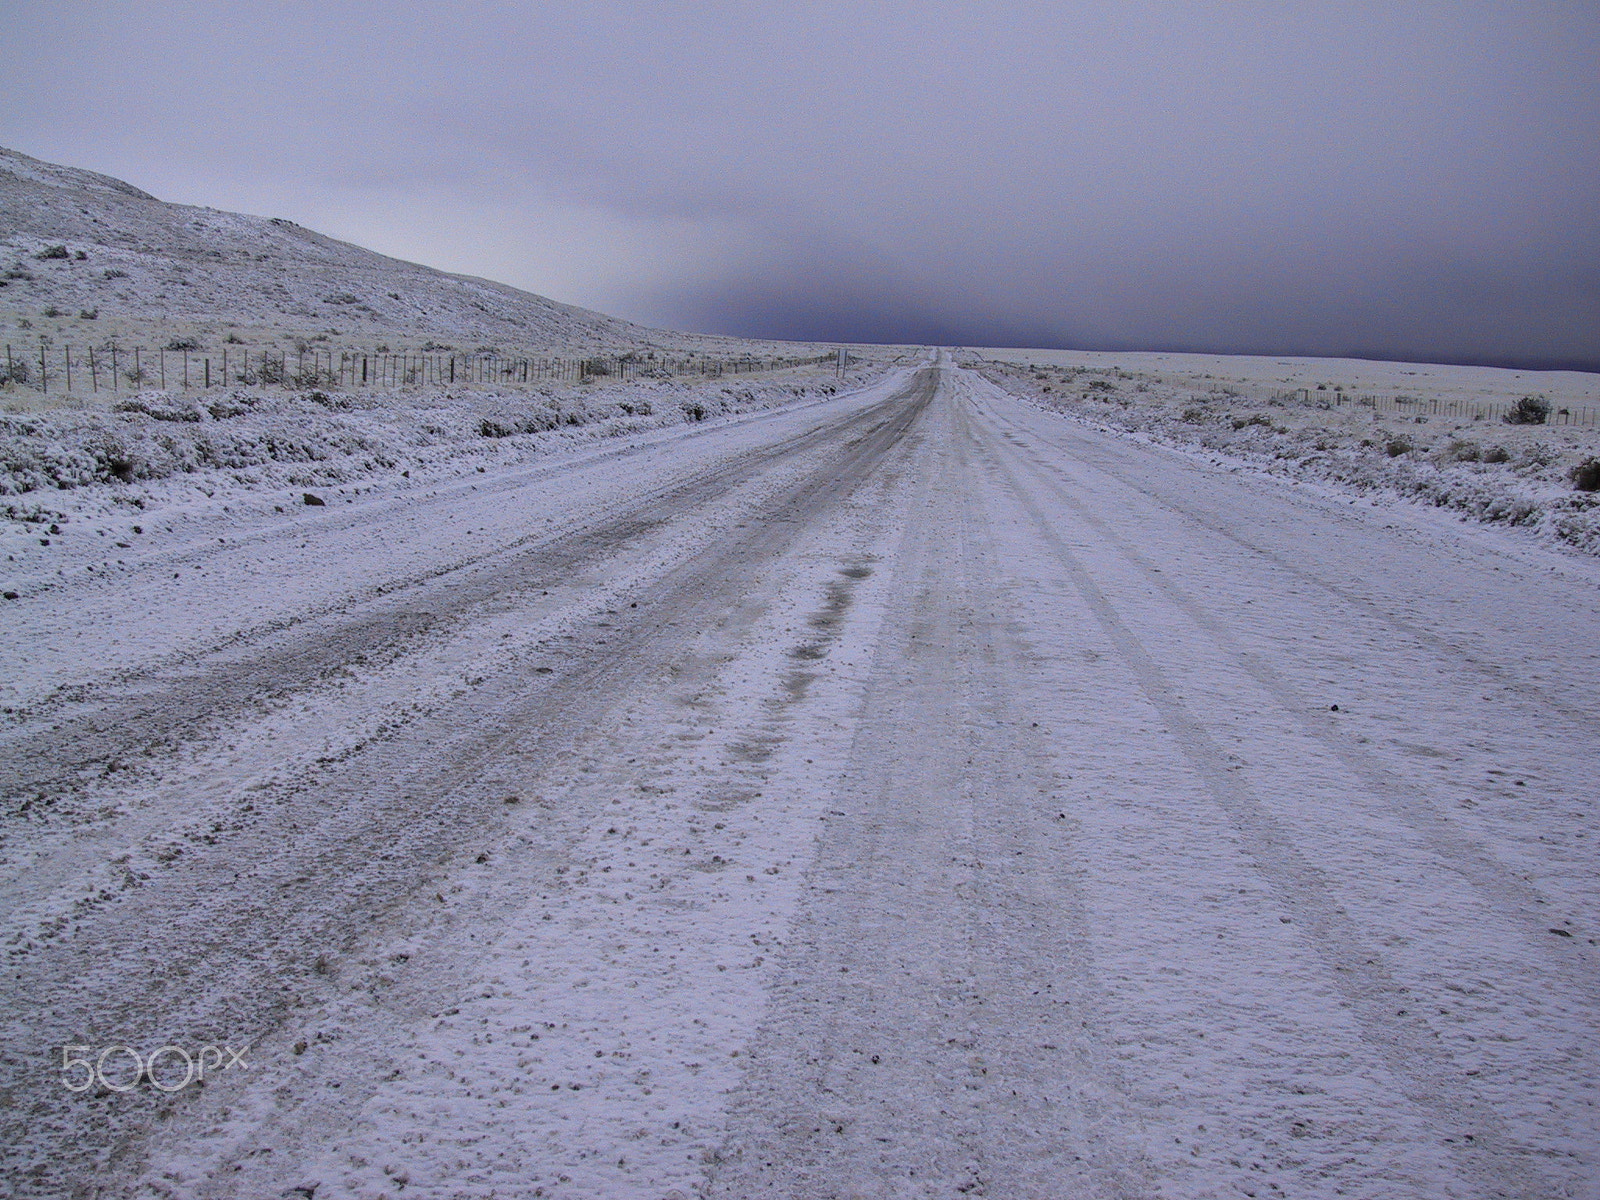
[1469,859]
[151,711]
[351,845]
[932,1033]
[1461,658]
[1353,965]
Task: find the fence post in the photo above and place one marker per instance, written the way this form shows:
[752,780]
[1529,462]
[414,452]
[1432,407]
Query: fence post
[94,372]
[44,385]
[66,355]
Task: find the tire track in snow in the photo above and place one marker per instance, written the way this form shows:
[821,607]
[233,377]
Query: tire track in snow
[1356,968]
[153,709]
[1460,657]
[240,925]
[933,1028]
[1577,962]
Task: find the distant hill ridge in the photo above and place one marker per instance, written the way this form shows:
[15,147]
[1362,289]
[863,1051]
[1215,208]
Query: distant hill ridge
[141,265]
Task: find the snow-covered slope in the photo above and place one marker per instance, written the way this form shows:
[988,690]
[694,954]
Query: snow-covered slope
[143,266]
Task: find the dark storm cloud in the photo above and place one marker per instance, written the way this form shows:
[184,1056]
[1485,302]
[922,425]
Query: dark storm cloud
[1410,180]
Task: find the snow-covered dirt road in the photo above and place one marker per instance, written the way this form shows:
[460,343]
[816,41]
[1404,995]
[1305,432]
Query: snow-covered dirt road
[912,794]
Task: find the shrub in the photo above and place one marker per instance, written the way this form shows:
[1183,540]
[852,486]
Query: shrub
[184,344]
[50,252]
[235,405]
[1465,451]
[314,377]
[1397,446]
[1586,475]
[113,273]
[158,407]
[88,314]
[1530,410]
[53,311]
[1496,454]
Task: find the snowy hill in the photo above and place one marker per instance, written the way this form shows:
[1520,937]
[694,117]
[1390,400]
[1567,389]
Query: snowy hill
[77,247]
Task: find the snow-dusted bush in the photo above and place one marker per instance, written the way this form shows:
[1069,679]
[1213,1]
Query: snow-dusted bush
[1530,410]
[321,437]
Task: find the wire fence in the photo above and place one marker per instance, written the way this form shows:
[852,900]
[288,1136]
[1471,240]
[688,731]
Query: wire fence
[1585,416]
[113,368]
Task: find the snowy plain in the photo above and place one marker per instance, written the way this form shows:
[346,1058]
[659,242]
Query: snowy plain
[909,791]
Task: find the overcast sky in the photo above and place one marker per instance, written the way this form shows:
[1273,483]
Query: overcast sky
[1403,180]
